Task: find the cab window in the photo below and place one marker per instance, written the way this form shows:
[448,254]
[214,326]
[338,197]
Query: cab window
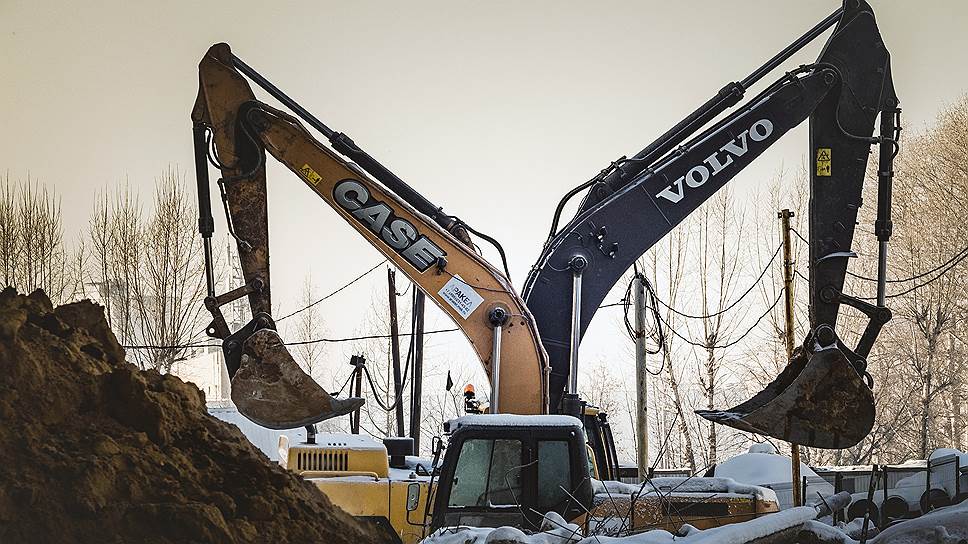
[488,473]
[554,474]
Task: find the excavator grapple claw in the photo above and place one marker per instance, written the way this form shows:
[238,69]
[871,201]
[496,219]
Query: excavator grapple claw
[272,390]
[819,400]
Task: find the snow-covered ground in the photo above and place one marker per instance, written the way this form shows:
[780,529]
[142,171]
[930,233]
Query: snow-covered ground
[556,531]
[265,439]
[943,526]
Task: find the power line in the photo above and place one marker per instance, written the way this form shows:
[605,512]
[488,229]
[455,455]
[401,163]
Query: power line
[624,302]
[737,340]
[732,304]
[300,343]
[656,333]
[955,259]
[354,280]
[952,261]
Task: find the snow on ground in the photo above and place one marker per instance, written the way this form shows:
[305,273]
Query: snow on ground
[947,525]
[557,532]
[265,439]
[943,526]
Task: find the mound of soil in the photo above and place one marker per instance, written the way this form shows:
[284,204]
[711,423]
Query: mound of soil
[94,450]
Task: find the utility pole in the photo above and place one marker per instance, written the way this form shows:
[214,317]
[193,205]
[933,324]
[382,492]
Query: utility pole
[641,381]
[357,361]
[395,350]
[788,264]
[416,380]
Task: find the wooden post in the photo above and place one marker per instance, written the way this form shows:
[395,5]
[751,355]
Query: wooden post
[395,351]
[357,361]
[788,264]
[417,374]
[641,382]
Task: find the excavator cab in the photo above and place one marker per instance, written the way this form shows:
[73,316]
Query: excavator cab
[506,470]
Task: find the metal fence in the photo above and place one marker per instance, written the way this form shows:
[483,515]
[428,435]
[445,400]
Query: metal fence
[898,491]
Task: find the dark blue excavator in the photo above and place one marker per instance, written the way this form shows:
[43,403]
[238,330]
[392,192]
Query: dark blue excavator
[823,398]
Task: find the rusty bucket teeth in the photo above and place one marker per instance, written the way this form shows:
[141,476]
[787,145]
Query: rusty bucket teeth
[272,390]
[818,401]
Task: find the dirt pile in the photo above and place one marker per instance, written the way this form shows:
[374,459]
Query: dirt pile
[94,450]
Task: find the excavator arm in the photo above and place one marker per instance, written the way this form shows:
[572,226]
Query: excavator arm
[234,131]
[821,400]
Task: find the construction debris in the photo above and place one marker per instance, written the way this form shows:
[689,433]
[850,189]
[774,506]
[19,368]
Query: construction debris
[93,449]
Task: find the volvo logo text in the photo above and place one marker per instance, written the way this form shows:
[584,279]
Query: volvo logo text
[718,161]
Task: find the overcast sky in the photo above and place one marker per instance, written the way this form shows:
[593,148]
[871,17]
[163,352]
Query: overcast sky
[491,109]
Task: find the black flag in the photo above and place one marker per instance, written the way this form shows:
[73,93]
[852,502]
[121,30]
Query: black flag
[450,382]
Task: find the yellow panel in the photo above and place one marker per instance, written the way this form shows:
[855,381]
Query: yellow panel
[358,498]
[407,524]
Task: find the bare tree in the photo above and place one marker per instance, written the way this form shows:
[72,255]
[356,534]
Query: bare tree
[309,326]
[32,250]
[149,270]
[721,232]
[673,269]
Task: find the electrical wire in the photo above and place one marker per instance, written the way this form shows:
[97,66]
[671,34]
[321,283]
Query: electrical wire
[953,260]
[732,304]
[300,343]
[354,280]
[735,341]
[925,284]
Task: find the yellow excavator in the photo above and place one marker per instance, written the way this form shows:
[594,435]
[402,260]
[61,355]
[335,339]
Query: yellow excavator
[508,467]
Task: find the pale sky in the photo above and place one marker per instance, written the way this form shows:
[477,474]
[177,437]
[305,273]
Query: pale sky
[491,109]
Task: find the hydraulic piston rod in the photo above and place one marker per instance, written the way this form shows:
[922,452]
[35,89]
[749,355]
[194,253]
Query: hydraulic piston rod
[497,317]
[578,264]
[345,145]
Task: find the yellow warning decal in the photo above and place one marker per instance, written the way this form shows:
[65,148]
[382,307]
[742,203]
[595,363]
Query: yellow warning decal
[310,174]
[823,161]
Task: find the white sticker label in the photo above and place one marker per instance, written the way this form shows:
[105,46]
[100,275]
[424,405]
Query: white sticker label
[460,296]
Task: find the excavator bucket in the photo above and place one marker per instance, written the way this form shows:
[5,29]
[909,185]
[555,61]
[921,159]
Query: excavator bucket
[818,401]
[272,390]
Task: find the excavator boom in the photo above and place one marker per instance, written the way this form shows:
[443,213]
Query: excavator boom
[477,296]
[822,400]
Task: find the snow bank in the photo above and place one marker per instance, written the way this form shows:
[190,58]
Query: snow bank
[680,485]
[775,472]
[942,526]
